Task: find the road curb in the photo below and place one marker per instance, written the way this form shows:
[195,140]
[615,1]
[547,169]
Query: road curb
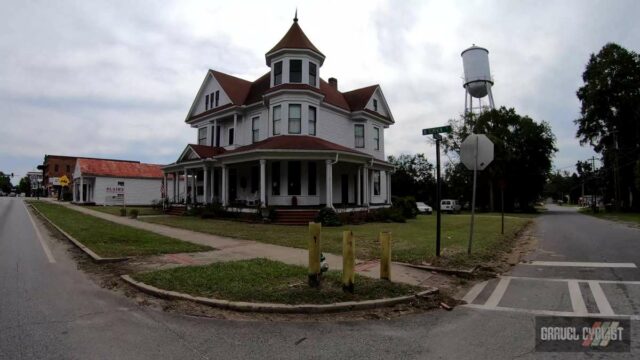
[459,272]
[277,308]
[95,257]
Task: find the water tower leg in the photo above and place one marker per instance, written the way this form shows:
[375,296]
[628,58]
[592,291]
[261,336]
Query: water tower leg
[466,102]
[491,103]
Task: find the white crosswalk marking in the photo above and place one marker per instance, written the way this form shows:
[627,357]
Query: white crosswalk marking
[601,300]
[577,302]
[581,264]
[499,291]
[474,292]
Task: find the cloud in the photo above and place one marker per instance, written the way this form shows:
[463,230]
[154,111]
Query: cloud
[116,78]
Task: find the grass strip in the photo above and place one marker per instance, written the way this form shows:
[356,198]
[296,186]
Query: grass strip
[413,241]
[262,280]
[109,239]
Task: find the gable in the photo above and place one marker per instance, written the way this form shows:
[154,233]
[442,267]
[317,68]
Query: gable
[382,106]
[209,87]
[187,155]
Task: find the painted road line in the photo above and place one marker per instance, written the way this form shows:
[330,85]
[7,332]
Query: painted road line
[577,302]
[474,292]
[601,300]
[581,264]
[629,282]
[547,312]
[44,245]
[498,292]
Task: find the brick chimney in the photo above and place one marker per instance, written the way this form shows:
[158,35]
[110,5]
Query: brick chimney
[333,82]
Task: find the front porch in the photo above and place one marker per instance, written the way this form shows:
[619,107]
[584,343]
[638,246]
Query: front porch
[302,183]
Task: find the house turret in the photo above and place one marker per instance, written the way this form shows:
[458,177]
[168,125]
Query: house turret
[294,59]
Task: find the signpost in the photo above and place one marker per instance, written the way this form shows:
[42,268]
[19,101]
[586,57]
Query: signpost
[436,135]
[476,153]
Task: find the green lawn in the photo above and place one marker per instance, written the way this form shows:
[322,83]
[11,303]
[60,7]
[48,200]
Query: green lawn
[413,241]
[115,210]
[109,239]
[261,280]
[633,218]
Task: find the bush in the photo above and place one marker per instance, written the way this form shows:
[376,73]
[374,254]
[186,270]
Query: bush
[67,196]
[406,205]
[123,212]
[133,213]
[212,211]
[386,215]
[328,217]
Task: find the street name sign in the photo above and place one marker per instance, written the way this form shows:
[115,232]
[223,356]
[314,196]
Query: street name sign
[437,130]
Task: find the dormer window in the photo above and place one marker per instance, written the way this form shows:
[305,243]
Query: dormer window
[277,73]
[375,105]
[295,71]
[313,72]
[206,102]
[217,97]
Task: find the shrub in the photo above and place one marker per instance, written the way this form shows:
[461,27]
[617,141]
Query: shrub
[406,205]
[328,217]
[67,196]
[133,213]
[123,212]
[212,211]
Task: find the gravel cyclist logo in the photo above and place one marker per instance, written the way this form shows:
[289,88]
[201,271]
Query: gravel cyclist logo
[568,334]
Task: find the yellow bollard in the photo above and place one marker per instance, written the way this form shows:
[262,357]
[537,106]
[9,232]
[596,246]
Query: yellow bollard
[385,259]
[314,254]
[348,261]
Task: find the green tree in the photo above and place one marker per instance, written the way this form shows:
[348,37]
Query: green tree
[523,150]
[610,118]
[413,176]
[5,183]
[24,186]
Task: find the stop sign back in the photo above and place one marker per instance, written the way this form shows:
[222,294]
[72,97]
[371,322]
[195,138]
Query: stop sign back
[481,144]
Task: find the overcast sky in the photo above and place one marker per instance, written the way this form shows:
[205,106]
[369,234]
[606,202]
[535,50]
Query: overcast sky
[116,78]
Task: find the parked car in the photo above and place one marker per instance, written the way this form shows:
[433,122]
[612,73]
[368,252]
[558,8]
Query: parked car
[12,194]
[424,208]
[450,206]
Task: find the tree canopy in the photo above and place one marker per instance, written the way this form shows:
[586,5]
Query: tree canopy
[610,117]
[413,176]
[523,150]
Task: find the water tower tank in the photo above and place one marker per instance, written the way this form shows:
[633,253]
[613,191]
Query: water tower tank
[477,76]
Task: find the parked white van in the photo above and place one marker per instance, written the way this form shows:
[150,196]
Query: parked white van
[450,206]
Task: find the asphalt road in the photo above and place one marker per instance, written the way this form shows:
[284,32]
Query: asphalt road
[49,309]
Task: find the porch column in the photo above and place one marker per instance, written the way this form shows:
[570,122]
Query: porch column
[225,173]
[75,190]
[186,184]
[81,189]
[388,187]
[215,133]
[194,187]
[213,182]
[165,186]
[367,189]
[358,184]
[263,183]
[176,180]
[235,129]
[205,180]
[329,184]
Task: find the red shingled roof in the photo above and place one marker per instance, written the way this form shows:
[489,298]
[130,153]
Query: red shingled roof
[205,151]
[295,142]
[359,98]
[118,168]
[237,89]
[295,38]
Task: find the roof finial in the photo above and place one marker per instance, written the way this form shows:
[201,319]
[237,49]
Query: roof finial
[295,18]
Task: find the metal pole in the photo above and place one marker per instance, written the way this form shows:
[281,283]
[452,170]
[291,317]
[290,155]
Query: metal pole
[502,206]
[438,188]
[473,199]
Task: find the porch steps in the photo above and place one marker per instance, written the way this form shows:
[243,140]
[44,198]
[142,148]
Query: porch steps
[176,210]
[295,217]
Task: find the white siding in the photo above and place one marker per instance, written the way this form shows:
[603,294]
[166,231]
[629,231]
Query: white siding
[210,86]
[136,191]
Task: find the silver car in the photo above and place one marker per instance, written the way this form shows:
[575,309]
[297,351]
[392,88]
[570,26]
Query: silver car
[424,208]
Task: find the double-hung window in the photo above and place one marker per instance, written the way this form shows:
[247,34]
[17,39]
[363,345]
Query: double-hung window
[277,73]
[231,136]
[217,97]
[312,120]
[295,71]
[202,136]
[255,128]
[206,102]
[313,72]
[277,116]
[359,134]
[294,118]
[375,105]
[376,138]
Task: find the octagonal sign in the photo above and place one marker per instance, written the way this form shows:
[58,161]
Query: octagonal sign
[484,148]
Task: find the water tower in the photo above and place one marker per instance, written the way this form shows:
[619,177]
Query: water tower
[477,77]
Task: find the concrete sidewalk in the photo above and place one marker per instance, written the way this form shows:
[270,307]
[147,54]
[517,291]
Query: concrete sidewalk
[228,249]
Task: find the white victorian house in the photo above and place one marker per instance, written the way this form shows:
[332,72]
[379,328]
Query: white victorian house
[287,139]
